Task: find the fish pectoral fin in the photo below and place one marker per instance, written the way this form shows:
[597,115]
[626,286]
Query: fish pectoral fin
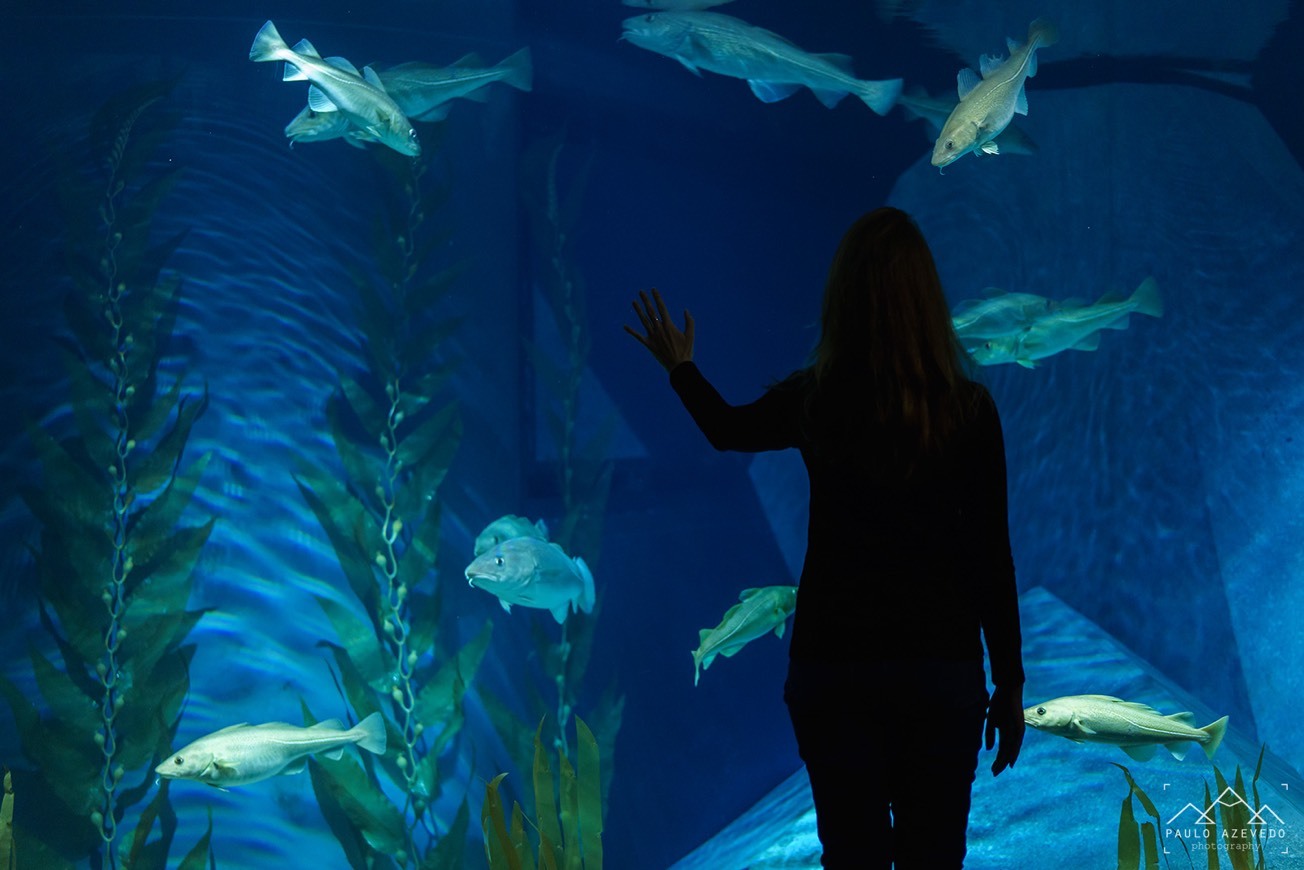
[1021,102]
[319,102]
[296,767]
[1140,753]
[507,607]
[222,771]
[1083,728]
[560,612]
[334,755]
[690,66]
[990,147]
[770,92]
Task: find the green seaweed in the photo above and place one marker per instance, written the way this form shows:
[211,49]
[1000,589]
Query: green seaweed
[396,435]
[568,814]
[114,559]
[8,854]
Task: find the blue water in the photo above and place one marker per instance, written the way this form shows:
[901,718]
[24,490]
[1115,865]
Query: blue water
[1154,482]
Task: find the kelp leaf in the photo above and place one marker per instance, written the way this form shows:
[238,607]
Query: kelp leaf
[337,513]
[91,407]
[7,823]
[422,551]
[440,700]
[372,663]
[167,571]
[75,665]
[425,295]
[607,716]
[423,618]
[152,707]
[26,716]
[415,397]
[421,344]
[433,441]
[450,852]
[346,832]
[1150,845]
[368,410]
[545,801]
[160,516]
[366,807]
[144,427]
[70,764]
[136,859]
[588,771]
[548,374]
[520,842]
[569,805]
[72,498]
[66,701]
[516,737]
[1129,843]
[158,466]
[362,469]
[198,857]
[497,845]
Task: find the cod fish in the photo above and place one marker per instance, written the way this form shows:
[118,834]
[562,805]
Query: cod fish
[337,86]
[507,527]
[916,103]
[1132,727]
[999,314]
[757,612]
[987,105]
[534,573]
[771,65]
[1067,326]
[679,5]
[241,754]
[422,91]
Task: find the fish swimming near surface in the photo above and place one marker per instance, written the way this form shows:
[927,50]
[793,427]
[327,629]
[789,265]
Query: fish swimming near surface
[933,111]
[534,573]
[337,86]
[1067,326]
[241,754]
[988,104]
[757,612]
[771,65]
[1135,728]
[423,92]
[507,527]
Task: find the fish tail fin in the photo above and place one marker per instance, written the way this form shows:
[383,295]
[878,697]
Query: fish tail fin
[1216,731]
[1044,31]
[267,44]
[880,96]
[519,69]
[1146,298]
[587,594]
[697,667]
[371,734]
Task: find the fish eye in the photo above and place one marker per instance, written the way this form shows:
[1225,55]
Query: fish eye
[950,146]
[1041,711]
[179,760]
[499,561]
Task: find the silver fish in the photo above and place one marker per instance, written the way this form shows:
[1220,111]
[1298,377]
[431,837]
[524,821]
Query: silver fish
[507,527]
[758,612]
[771,65]
[1068,327]
[1135,728]
[987,105]
[534,573]
[916,103]
[999,315]
[337,86]
[241,754]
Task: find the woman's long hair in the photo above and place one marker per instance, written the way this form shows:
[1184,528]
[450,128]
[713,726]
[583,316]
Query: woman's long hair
[890,385]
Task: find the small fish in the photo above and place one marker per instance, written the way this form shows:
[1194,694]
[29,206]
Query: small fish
[337,86]
[1132,727]
[241,754]
[507,527]
[1068,326]
[757,612]
[988,104]
[534,573]
[999,315]
[771,65]
[916,103]
[675,5]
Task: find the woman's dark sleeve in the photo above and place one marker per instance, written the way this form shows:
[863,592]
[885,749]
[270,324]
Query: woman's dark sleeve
[989,520]
[770,423]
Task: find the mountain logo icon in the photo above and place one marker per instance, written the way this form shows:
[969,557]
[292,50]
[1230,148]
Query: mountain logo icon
[1229,799]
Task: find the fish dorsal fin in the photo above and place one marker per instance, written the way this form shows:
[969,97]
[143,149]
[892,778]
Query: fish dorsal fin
[343,63]
[770,92]
[1140,753]
[703,635]
[470,59]
[1109,698]
[370,75]
[231,728]
[842,62]
[1186,717]
[966,81]
[332,724]
[989,62]
[1012,45]
[1021,102]
[319,102]
[729,613]
[306,48]
[748,593]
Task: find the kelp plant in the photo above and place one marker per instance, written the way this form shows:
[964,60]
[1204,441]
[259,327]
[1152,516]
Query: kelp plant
[395,438]
[114,564]
[583,469]
[1243,836]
